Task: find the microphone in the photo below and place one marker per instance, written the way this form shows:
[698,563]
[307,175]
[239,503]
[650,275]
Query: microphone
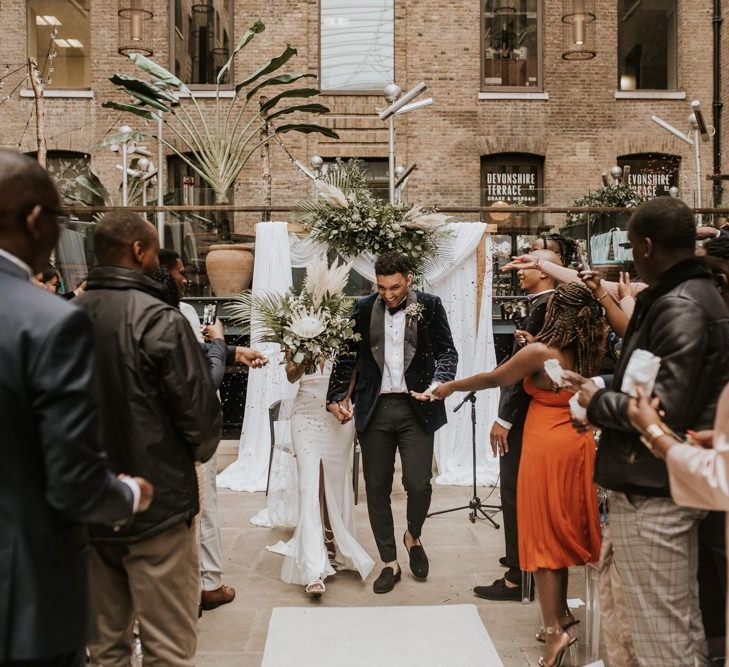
[469,396]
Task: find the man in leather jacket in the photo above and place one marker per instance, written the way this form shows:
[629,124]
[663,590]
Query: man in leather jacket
[159,413]
[682,319]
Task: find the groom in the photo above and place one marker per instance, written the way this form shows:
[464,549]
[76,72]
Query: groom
[406,346]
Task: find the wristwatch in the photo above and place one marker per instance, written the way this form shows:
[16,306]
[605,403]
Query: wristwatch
[651,434]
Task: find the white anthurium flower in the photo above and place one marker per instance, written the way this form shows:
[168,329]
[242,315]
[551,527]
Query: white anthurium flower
[331,194]
[307,324]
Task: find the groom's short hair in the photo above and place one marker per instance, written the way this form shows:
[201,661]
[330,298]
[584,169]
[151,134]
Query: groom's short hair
[392,262]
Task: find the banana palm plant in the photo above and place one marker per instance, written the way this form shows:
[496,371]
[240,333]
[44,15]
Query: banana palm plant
[217,143]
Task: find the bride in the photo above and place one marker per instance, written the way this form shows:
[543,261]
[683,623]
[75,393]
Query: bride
[324,538]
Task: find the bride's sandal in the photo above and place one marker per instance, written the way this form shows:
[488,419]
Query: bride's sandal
[316,588]
[541,635]
[331,547]
[563,647]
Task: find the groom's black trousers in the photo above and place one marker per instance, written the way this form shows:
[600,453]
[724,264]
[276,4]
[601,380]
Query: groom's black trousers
[394,426]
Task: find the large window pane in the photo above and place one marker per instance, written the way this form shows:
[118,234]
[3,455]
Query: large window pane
[59,37]
[511,43]
[357,44]
[201,42]
[647,45]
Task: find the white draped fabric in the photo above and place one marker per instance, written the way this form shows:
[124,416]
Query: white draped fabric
[454,279]
[271,273]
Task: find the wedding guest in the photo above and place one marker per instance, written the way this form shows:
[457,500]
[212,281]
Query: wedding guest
[682,319]
[214,593]
[406,345]
[50,279]
[557,511]
[159,414]
[508,429]
[54,479]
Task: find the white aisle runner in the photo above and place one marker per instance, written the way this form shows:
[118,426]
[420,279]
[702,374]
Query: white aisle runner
[378,636]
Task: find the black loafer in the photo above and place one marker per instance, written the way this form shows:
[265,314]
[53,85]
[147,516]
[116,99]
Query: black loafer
[419,565]
[387,580]
[500,592]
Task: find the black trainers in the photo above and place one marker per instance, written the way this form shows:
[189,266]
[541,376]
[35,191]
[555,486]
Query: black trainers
[500,592]
[387,580]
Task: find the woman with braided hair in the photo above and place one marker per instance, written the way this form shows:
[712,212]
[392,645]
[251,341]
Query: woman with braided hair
[556,499]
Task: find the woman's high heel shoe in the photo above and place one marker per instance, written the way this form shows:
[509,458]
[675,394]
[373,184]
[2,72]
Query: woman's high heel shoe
[559,657]
[541,635]
[316,588]
[331,547]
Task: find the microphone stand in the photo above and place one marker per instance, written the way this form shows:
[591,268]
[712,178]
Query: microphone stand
[478,510]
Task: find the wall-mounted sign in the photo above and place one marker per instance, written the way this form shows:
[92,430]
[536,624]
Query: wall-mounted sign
[651,174]
[514,178]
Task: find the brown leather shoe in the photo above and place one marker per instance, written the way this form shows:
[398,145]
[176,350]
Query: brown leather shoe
[212,599]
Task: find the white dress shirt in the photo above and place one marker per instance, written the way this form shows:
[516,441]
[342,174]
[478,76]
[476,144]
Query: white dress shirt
[393,373]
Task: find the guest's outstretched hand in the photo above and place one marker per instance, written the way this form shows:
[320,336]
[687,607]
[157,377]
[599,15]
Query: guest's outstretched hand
[521,262]
[703,439]
[250,357]
[625,288]
[436,392]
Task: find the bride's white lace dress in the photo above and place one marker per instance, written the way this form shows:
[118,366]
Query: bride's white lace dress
[320,441]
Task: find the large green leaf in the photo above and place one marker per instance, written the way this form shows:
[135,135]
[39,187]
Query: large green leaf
[137,111]
[307,129]
[280,80]
[272,65]
[292,92]
[119,138]
[257,28]
[88,184]
[157,71]
[303,108]
[155,104]
[130,83]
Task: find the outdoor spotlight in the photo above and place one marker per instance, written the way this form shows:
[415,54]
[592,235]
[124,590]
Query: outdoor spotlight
[402,101]
[392,92]
[674,131]
[414,106]
[699,119]
[144,163]
[616,172]
[316,161]
[673,191]
[399,171]
[125,129]
[403,175]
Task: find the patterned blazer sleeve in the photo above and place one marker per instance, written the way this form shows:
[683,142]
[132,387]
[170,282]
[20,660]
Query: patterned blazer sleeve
[444,351]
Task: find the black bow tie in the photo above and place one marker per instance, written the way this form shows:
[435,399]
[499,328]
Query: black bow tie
[401,306]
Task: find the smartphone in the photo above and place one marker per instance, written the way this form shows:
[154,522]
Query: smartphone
[209,314]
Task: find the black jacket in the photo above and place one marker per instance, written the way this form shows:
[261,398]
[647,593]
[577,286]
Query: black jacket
[53,478]
[429,356]
[159,410]
[683,320]
[514,401]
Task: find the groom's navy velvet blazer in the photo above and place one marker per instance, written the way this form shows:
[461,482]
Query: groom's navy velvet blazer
[430,356]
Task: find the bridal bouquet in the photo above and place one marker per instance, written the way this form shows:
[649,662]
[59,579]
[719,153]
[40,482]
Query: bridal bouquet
[311,327]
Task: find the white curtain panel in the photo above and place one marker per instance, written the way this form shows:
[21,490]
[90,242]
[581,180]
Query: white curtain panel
[454,279]
[271,273]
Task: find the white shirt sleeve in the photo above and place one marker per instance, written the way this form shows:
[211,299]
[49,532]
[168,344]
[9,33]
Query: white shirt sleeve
[136,491]
[599,381]
[503,423]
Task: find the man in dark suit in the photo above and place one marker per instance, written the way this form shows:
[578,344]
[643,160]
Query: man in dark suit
[507,431]
[406,346]
[53,478]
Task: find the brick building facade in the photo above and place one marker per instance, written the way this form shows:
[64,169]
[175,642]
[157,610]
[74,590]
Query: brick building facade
[576,120]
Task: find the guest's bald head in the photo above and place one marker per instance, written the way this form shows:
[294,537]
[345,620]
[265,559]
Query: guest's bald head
[126,239]
[534,281]
[29,206]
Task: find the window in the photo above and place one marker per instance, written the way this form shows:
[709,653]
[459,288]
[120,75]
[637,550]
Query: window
[376,171]
[357,44]
[59,38]
[651,174]
[647,45]
[199,52]
[511,35]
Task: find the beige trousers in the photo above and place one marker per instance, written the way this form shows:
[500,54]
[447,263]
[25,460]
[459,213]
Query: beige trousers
[156,581]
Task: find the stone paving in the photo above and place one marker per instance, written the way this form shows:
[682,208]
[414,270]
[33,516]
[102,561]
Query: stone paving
[461,555]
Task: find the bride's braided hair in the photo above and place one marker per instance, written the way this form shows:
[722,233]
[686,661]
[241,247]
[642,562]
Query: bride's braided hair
[574,319]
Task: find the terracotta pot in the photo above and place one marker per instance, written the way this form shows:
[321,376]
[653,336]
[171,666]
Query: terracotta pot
[230,267]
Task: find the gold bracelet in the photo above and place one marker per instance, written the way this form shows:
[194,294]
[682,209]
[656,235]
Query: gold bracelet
[600,298]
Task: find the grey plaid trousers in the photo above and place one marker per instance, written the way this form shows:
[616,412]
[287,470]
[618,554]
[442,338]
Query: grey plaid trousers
[655,549]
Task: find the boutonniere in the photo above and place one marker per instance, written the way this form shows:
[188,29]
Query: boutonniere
[414,311]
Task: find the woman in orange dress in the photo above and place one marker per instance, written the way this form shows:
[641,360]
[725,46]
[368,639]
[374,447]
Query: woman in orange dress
[557,509]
